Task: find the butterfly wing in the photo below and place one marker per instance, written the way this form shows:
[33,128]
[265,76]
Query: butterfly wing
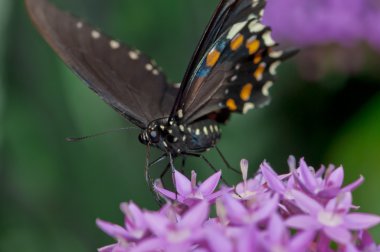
[237,69]
[123,77]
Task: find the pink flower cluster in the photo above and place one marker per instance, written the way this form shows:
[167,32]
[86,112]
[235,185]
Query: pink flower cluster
[304,210]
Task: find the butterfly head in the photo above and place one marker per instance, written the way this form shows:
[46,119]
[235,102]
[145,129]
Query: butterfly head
[151,135]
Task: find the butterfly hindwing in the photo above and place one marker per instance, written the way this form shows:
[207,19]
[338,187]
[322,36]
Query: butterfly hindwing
[237,70]
[125,78]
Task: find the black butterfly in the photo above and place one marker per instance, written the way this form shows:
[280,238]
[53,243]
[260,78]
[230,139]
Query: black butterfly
[231,70]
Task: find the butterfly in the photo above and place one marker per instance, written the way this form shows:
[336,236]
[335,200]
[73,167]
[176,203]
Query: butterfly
[231,71]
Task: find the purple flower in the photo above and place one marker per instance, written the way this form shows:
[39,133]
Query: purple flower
[239,213]
[277,237]
[175,234]
[249,188]
[188,192]
[304,210]
[333,219]
[135,226]
[323,187]
[316,22]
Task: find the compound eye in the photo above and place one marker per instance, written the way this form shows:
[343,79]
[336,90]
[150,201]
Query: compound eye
[154,136]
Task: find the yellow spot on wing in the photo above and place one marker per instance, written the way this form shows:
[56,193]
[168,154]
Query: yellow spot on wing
[212,58]
[253,45]
[258,74]
[231,104]
[237,42]
[246,92]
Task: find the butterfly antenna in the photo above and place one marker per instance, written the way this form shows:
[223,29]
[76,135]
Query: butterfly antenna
[78,139]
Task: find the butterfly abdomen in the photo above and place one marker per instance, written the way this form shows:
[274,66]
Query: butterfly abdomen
[202,135]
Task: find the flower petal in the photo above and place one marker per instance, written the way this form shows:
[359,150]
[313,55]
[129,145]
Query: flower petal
[217,240]
[182,184]
[276,229]
[166,193]
[304,222]
[196,216]
[134,215]
[272,179]
[336,178]
[342,203]
[306,203]
[351,187]
[302,241]
[153,244]
[209,185]
[308,178]
[338,234]
[157,223]
[266,209]
[359,221]
[235,209]
[111,229]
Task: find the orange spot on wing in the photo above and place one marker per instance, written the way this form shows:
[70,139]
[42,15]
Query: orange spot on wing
[258,74]
[212,58]
[246,92]
[231,104]
[237,42]
[257,59]
[253,46]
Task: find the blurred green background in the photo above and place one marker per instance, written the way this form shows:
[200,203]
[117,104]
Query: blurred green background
[52,191]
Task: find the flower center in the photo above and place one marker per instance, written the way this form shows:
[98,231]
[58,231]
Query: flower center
[330,219]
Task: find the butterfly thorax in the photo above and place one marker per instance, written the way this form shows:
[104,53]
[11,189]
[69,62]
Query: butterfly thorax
[177,138]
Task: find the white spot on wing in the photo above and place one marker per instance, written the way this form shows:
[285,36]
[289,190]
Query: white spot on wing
[276,54]
[79,25]
[248,106]
[114,44]
[133,55]
[156,72]
[266,88]
[255,26]
[177,85]
[234,78]
[149,67]
[273,67]
[268,40]
[197,132]
[236,28]
[95,34]
[180,113]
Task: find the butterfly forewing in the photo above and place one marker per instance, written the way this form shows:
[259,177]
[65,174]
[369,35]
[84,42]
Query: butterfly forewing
[126,79]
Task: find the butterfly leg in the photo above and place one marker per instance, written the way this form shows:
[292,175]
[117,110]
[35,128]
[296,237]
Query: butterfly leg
[213,168]
[171,163]
[163,173]
[183,164]
[226,162]
[148,177]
